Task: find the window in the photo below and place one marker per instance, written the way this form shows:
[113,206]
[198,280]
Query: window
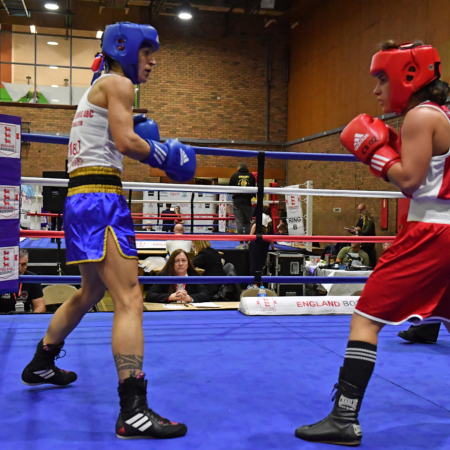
[51,66]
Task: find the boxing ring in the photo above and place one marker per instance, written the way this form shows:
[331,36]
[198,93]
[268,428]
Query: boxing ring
[238,382]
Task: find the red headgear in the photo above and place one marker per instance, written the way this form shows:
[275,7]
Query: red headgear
[409,69]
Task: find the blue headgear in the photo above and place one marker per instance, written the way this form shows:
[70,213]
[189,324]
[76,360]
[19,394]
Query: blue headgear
[122,42]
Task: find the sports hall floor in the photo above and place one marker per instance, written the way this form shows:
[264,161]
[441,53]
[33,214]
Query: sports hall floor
[238,382]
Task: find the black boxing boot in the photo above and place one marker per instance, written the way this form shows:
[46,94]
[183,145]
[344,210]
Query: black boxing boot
[341,427]
[136,420]
[42,368]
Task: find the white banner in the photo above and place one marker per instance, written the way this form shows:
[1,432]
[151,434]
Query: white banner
[223,212]
[183,200]
[9,263]
[9,202]
[9,140]
[294,214]
[285,306]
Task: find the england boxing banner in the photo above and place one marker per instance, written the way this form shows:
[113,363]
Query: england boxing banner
[10,172]
[301,306]
[294,214]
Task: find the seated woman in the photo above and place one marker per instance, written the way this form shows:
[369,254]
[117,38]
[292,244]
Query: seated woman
[210,260]
[178,265]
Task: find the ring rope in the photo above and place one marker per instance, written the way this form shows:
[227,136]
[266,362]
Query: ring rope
[48,139]
[135,186]
[226,237]
[74,279]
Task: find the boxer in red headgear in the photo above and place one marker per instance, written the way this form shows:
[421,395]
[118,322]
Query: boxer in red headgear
[407,284]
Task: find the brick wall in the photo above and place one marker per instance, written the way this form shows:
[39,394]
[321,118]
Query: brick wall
[195,65]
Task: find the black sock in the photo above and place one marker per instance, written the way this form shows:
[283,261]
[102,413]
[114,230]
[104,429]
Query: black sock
[359,363]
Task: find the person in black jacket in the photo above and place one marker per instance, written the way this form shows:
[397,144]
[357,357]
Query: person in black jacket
[210,260]
[242,203]
[178,265]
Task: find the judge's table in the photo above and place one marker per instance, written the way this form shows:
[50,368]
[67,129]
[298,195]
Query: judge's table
[340,289]
[210,306]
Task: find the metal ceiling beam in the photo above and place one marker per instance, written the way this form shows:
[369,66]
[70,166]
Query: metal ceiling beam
[16,8]
[158,9]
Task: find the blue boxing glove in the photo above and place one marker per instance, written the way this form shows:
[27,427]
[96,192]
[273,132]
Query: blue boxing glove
[176,159]
[145,128]
[181,161]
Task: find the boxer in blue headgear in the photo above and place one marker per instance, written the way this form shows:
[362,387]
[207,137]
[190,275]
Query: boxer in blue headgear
[122,42]
[99,230]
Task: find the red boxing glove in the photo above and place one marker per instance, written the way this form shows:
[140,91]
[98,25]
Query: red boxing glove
[382,161]
[393,141]
[367,139]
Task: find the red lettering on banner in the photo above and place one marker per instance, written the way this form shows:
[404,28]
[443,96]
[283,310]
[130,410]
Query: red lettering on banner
[318,304]
[7,130]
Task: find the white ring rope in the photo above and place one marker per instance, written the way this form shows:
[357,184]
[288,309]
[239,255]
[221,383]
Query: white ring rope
[135,186]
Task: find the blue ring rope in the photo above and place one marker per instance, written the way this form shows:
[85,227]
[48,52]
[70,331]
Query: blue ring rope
[73,279]
[48,139]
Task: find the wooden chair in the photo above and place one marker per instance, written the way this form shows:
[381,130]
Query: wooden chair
[57,294]
[253,292]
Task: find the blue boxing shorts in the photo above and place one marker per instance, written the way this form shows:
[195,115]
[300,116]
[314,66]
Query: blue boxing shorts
[95,204]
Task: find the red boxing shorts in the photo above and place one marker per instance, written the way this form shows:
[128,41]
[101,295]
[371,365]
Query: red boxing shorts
[412,278]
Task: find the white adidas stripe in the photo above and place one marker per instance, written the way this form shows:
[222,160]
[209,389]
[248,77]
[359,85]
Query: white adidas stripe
[134,418]
[138,420]
[381,158]
[144,427]
[184,158]
[45,373]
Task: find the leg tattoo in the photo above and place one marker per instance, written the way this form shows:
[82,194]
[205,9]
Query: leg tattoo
[133,363]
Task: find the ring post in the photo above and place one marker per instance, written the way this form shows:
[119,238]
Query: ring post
[258,216]
[192,212]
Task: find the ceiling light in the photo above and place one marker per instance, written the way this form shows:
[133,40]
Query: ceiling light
[99,34]
[185,11]
[52,43]
[32,28]
[52,6]
[53,67]
[54,100]
[55,85]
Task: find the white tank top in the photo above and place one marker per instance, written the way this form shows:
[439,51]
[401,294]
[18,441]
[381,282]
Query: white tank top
[91,142]
[431,202]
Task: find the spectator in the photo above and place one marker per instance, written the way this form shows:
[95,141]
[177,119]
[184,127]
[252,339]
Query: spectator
[168,224]
[368,229]
[355,247]
[282,229]
[178,266]
[258,252]
[30,293]
[174,245]
[179,218]
[210,261]
[361,208]
[242,203]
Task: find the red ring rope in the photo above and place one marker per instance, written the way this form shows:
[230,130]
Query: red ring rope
[225,237]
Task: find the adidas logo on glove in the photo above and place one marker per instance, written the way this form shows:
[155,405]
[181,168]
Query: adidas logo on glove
[183,157]
[359,139]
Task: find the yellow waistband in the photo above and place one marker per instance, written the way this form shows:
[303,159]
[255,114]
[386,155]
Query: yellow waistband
[94,170]
[95,188]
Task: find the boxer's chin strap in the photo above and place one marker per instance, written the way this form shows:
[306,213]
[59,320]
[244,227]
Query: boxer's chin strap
[98,66]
